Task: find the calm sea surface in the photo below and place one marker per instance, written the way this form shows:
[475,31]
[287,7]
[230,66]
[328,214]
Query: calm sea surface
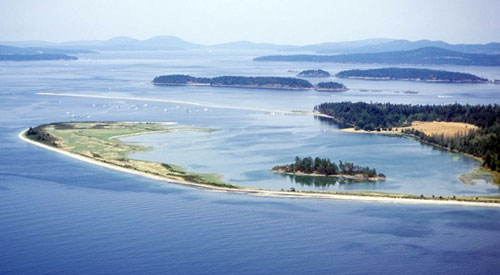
[60,216]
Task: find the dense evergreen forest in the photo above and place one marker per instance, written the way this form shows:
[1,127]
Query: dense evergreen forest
[261,81]
[426,55]
[39,134]
[270,82]
[325,167]
[412,74]
[235,81]
[335,86]
[180,79]
[314,73]
[483,142]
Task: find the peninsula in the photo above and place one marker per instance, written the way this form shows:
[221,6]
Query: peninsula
[257,82]
[99,141]
[473,130]
[411,74]
[324,167]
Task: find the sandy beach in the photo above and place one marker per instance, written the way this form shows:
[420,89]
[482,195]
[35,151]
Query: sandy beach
[269,193]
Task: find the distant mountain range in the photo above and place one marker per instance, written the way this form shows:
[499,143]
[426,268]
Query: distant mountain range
[123,43]
[383,51]
[120,43]
[422,56]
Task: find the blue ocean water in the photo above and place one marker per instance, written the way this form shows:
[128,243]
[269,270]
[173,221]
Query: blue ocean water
[62,216]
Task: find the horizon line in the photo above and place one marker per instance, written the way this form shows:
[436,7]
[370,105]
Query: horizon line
[239,41]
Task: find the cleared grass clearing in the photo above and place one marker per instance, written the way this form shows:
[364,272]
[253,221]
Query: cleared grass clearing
[100,141]
[448,129]
[430,128]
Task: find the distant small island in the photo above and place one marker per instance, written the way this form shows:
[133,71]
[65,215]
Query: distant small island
[35,57]
[331,86]
[11,53]
[314,73]
[412,74]
[257,82]
[324,167]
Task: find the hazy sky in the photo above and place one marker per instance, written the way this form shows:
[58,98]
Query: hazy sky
[216,21]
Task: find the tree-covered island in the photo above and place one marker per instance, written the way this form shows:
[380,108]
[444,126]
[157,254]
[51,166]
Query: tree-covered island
[261,82]
[314,73]
[331,86]
[481,139]
[325,167]
[412,74]
[258,82]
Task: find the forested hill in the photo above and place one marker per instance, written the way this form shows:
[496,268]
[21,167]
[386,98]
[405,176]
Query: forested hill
[483,142]
[236,81]
[411,74]
[426,56]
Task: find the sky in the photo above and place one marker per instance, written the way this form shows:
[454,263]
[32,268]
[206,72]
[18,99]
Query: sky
[297,22]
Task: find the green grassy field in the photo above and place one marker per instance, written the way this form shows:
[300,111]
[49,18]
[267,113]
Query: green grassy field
[100,141]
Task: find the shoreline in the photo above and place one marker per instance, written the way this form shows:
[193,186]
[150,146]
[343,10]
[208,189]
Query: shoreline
[352,177]
[400,134]
[232,86]
[368,197]
[413,79]
[331,90]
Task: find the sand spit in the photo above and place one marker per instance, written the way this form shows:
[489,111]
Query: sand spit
[270,193]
